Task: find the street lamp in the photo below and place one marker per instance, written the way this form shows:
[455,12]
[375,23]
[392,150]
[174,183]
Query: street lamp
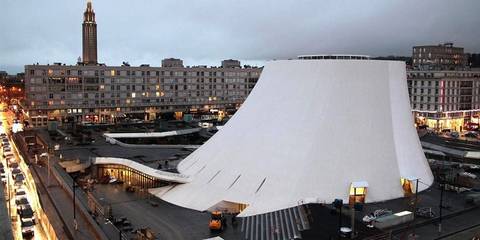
[338,204]
[75,225]
[442,188]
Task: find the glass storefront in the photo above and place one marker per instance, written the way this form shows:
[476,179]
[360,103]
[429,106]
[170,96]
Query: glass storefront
[129,176]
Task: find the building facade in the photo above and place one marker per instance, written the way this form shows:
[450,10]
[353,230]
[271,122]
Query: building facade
[438,57]
[445,99]
[100,94]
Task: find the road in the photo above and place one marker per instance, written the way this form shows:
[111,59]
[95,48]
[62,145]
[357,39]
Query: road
[28,186]
[452,143]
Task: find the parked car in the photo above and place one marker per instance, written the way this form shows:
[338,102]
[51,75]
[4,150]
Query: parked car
[12,164]
[454,134]
[19,179]
[2,173]
[28,228]
[21,202]
[3,176]
[15,172]
[20,194]
[471,135]
[26,213]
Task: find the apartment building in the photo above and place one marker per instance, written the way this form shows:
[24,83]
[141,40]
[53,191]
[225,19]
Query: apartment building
[445,99]
[439,57]
[101,94]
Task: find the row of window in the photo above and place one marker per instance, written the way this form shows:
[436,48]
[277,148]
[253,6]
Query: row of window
[435,107]
[75,80]
[129,101]
[113,72]
[443,74]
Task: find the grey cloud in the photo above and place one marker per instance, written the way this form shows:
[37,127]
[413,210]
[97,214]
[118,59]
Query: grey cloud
[207,31]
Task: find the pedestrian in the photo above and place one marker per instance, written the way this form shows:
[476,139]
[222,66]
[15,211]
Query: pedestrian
[234,219]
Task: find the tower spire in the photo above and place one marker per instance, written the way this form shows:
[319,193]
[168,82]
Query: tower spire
[89,35]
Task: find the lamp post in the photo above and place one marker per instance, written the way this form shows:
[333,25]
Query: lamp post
[48,163]
[9,196]
[75,225]
[338,204]
[352,234]
[415,207]
[442,188]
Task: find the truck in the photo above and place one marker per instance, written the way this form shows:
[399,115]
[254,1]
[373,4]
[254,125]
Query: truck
[217,221]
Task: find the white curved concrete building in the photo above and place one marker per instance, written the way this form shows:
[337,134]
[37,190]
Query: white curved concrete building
[309,131]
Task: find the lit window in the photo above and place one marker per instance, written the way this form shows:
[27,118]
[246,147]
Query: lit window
[112,72]
[408,185]
[134,95]
[358,191]
[157,94]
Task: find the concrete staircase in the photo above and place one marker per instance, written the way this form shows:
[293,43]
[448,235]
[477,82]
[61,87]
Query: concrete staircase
[279,225]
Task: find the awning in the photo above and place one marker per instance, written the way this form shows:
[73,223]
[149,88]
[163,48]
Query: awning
[360,184]
[411,178]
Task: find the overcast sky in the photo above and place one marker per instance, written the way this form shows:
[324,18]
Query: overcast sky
[203,32]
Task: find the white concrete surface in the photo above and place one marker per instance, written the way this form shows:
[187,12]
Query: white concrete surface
[308,130]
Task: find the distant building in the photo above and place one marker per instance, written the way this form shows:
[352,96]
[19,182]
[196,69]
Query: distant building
[444,99]
[172,63]
[89,35]
[444,92]
[438,57]
[333,57]
[230,63]
[474,60]
[3,76]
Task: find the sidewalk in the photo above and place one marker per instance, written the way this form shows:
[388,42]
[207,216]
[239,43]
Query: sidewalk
[64,205]
[452,227]
[49,208]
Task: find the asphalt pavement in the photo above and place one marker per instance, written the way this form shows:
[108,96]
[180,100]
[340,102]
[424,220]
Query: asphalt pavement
[166,220]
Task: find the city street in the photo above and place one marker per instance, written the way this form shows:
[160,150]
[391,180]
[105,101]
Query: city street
[28,186]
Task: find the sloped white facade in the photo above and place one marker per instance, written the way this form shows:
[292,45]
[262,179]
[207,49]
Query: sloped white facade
[307,131]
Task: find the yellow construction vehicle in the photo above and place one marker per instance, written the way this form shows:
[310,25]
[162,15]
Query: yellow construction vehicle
[217,221]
